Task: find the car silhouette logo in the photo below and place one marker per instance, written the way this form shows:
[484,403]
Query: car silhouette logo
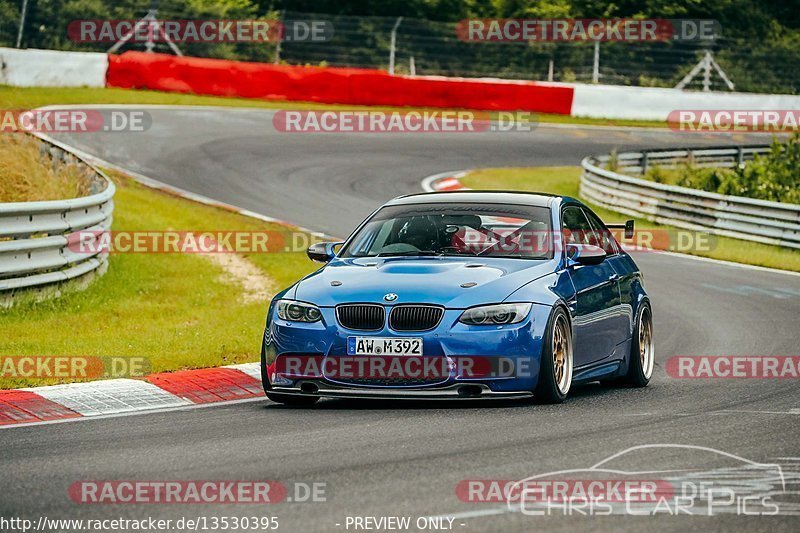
[390,297]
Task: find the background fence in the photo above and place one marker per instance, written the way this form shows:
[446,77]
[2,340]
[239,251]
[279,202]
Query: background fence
[732,216]
[34,236]
[434,48]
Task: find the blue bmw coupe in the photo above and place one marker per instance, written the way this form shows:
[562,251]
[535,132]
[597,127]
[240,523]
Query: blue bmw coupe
[462,295]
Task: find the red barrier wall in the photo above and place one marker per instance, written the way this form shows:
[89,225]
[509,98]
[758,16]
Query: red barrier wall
[138,70]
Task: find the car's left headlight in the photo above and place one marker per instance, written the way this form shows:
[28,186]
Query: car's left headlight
[497,314]
[294,311]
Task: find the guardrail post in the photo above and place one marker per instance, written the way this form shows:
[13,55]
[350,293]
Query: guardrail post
[644,162]
[740,156]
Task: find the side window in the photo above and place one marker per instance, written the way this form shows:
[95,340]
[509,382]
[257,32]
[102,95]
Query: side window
[577,229]
[606,239]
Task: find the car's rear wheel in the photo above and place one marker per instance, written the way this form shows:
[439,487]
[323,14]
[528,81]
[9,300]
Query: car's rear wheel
[555,370]
[292,400]
[642,358]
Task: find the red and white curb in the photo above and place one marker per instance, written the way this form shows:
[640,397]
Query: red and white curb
[168,390]
[445,181]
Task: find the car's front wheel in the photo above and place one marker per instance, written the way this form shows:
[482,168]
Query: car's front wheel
[555,370]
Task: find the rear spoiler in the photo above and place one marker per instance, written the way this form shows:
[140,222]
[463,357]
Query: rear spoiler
[627,226]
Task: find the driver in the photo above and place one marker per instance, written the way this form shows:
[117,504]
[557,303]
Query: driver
[420,232]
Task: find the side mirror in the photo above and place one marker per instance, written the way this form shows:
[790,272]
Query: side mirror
[629,229]
[584,254]
[322,252]
[627,226]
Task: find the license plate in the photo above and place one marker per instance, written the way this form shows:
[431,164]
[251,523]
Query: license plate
[384,346]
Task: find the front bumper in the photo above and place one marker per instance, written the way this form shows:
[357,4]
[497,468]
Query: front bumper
[326,339]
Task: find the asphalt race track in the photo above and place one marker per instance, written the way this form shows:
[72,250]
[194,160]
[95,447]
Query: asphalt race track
[406,459]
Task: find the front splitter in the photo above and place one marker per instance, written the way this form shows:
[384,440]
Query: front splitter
[452,392]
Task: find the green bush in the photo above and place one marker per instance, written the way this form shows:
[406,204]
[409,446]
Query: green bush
[774,176]
[657,174]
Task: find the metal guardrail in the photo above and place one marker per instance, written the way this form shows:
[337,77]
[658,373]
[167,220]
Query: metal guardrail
[732,216]
[35,237]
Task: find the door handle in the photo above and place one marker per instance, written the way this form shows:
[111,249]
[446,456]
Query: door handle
[613,277]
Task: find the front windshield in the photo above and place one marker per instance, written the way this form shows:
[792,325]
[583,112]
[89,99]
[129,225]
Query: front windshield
[467,229]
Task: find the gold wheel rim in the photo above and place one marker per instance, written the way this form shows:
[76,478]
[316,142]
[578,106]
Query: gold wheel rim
[562,355]
[646,348]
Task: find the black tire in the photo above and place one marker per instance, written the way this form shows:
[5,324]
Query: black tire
[292,400]
[547,389]
[640,367]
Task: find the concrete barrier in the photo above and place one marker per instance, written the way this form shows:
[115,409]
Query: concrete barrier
[653,103]
[51,68]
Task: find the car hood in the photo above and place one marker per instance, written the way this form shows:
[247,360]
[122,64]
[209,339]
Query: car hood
[454,282]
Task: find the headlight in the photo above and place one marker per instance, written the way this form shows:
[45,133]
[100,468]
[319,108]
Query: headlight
[298,311]
[489,315]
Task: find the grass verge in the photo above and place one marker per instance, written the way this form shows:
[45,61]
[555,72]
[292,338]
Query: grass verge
[178,310]
[24,178]
[566,180]
[31,97]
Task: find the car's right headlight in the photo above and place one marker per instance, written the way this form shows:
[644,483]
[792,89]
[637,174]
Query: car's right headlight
[496,314]
[294,311]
